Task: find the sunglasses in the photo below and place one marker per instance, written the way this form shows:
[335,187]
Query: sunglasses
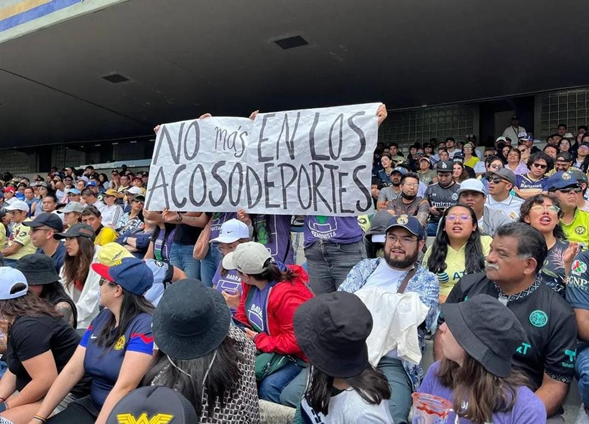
[494,180]
[540,166]
[568,190]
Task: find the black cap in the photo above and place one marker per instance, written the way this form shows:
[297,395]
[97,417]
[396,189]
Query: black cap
[514,117]
[444,166]
[50,220]
[492,342]
[564,157]
[38,268]
[153,404]
[77,230]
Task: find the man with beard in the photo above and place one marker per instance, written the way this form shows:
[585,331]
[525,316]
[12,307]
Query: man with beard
[547,356]
[404,239]
[441,195]
[574,222]
[393,191]
[410,203]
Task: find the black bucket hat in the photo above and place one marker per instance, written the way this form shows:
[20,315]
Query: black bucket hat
[331,330]
[492,342]
[38,268]
[191,320]
[153,404]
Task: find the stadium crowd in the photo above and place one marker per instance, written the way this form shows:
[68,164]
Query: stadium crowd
[482,250]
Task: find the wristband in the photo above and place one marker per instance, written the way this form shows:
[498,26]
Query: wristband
[40,418]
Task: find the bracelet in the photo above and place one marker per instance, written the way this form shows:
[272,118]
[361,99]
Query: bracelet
[39,418]
[179,219]
[7,407]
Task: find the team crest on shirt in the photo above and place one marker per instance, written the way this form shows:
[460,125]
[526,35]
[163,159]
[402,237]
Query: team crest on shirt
[454,196]
[120,343]
[580,230]
[144,419]
[538,318]
[403,219]
[578,267]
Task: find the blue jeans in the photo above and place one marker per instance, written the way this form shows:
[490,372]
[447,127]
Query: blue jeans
[209,265]
[271,387]
[10,262]
[329,263]
[582,371]
[181,257]
[432,228]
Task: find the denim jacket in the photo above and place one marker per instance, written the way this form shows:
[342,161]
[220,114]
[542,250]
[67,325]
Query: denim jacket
[423,282]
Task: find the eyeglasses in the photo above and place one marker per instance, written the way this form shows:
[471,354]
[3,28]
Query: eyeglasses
[567,190]
[34,230]
[405,241]
[494,180]
[542,208]
[221,247]
[138,201]
[496,166]
[411,185]
[462,217]
[540,166]
[104,280]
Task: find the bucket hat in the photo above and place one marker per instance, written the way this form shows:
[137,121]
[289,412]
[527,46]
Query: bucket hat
[38,269]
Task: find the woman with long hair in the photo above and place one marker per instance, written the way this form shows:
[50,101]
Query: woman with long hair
[564,145]
[43,281]
[343,387]
[104,183]
[78,278]
[458,249]
[476,374]
[214,369]
[133,220]
[387,169]
[470,156]
[270,296]
[39,345]
[543,213]
[111,212]
[459,173]
[115,351]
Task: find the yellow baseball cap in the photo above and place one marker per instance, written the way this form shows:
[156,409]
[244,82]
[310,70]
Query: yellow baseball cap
[111,254]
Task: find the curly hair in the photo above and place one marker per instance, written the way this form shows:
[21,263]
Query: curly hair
[538,199]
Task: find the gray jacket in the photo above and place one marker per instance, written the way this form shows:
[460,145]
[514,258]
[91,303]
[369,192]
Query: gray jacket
[492,219]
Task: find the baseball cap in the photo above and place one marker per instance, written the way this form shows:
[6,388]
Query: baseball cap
[137,177]
[501,139]
[564,157]
[568,136]
[111,192]
[248,258]
[50,220]
[72,207]
[74,191]
[458,157]
[504,173]
[19,205]
[76,230]
[514,117]
[154,404]
[444,166]
[410,223]
[561,180]
[425,158]
[112,254]
[91,184]
[400,170]
[578,174]
[10,189]
[472,184]
[231,231]
[378,226]
[132,275]
[9,277]
[134,190]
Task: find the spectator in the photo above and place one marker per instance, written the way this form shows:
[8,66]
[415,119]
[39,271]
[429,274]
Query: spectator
[528,141]
[492,163]
[74,195]
[9,193]
[409,203]
[137,242]
[551,151]
[214,369]
[425,173]
[459,173]
[104,183]
[273,231]
[476,374]
[470,157]
[458,249]
[19,243]
[43,281]
[39,346]
[132,221]
[332,330]
[517,254]
[162,237]
[535,181]
[582,159]
[42,230]
[333,245]
[115,359]
[270,298]
[514,163]
[91,216]
[72,213]
[91,199]
[393,190]
[115,181]
[112,212]
[49,203]
[564,145]
[574,222]
[500,182]
[130,195]
[4,221]
[31,200]
[563,162]
[42,190]
[514,130]
[582,180]
[384,174]
[472,194]
[125,183]
[79,279]
[450,148]
[561,130]
[441,195]
[543,213]
[59,187]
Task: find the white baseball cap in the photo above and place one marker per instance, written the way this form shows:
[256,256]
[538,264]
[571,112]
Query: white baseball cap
[9,277]
[134,190]
[19,205]
[231,231]
[472,184]
[248,258]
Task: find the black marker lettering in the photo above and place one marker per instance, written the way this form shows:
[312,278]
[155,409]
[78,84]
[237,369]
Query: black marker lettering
[217,177]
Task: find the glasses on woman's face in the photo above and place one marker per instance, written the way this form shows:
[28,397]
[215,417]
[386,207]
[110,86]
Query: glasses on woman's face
[495,166]
[227,248]
[542,208]
[540,165]
[462,217]
[105,281]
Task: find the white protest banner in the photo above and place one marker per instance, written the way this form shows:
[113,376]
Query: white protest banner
[302,162]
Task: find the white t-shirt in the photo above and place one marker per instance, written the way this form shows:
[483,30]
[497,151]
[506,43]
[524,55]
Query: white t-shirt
[510,206]
[111,215]
[385,277]
[348,408]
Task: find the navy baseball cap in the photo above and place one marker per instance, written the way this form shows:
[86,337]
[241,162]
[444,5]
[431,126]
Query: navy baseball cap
[132,275]
[410,223]
[562,180]
[50,220]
